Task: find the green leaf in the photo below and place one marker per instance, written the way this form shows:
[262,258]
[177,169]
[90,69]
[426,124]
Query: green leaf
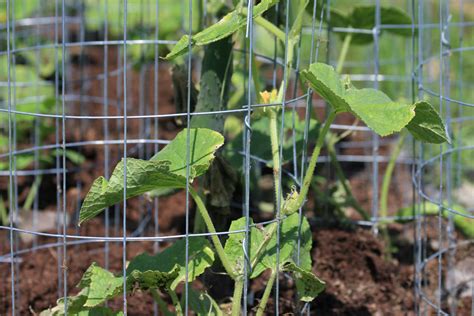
[101,285]
[291,228]
[307,284]
[203,144]
[202,303]
[363,17]
[378,112]
[427,126]
[201,256]
[373,107]
[165,170]
[328,84]
[142,176]
[234,246]
[228,25]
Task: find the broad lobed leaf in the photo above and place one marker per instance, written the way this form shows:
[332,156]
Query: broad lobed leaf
[165,170]
[142,176]
[164,270]
[228,25]
[375,108]
[203,143]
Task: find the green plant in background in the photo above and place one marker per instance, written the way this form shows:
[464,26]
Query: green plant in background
[31,94]
[183,160]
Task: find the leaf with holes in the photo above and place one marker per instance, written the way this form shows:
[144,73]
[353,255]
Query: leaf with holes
[201,256]
[308,285]
[234,246]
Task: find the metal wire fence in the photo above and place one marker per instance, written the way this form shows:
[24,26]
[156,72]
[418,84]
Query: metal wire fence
[83,87]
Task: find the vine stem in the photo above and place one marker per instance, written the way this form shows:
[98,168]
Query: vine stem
[387,178]
[343,179]
[314,158]
[210,227]
[275,150]
[176,303]
[270,27]
[237,297]
[343,54]
[268,290]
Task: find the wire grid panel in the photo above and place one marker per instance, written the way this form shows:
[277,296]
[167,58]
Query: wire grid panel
[444,276]
[107,98]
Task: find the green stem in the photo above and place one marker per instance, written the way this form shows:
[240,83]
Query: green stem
[270,27]
[268,290]
[237,297]
[31,195]
[314,158]
[387,178]
[343,179]
[160,302]
[275,151]
[256,83]
[343,54]
[176,303]
[210,227]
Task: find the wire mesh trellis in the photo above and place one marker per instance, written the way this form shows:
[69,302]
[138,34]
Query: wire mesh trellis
[83,86]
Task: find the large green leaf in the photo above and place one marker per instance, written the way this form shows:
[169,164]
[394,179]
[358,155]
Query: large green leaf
[228,25]
[165,170]
[142,176]
[203,144]
[201,256]
[427,125]
[379,112]
[234,246]
[307,284]
[374,108]
[292,228]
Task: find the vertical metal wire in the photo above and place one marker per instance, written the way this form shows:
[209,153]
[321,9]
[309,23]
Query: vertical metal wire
[249,35]
[125,131]
[10,162]
[105,98]
[375,137]
[63,147]
[188,152]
